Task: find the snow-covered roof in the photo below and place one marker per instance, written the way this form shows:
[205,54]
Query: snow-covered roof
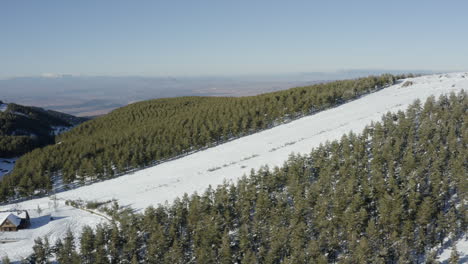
[12,217]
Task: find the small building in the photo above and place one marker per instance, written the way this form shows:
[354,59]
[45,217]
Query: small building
[14,220]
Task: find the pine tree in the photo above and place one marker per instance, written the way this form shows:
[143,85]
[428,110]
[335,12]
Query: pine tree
[431,258]
[225,252]
[47,249]
[249,258]
[67,253]
[363,251]
[100,255]
[58,247]
[135,259]
[156,246]
[6,260]
[40,252]
[174,255]
[454,256]
[115,245]
[87,245]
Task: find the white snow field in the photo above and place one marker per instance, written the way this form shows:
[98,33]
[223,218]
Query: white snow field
[230,161]
[50,220]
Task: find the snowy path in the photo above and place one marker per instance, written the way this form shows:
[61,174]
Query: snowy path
[229,161]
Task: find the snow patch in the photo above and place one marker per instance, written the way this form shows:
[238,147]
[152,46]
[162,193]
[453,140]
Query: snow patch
[19,113]
[462,249]
[3,107]
[6,165]
[57,130]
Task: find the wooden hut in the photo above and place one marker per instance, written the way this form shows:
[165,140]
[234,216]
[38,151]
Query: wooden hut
[14,220]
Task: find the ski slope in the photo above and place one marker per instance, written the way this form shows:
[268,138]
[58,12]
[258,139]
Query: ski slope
[230,161]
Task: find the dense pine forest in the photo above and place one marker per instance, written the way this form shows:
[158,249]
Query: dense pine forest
[24,128]
[144,133]
[387,195]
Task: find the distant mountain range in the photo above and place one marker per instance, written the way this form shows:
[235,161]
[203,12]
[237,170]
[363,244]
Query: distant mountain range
[97,95]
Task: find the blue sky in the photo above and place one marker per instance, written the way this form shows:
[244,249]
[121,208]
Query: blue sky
[158,38]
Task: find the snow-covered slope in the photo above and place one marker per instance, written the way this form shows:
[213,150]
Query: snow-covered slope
[232,160]
[47,219]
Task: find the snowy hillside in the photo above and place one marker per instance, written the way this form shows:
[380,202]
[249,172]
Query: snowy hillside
[47,219]
[229,161]
[272,147]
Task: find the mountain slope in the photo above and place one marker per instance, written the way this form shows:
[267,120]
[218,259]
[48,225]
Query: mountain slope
[391,194]
[386,195]
[271,147]
[152,131]
[194,173]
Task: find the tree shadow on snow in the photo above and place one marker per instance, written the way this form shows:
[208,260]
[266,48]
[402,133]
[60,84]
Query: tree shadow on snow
[40,221]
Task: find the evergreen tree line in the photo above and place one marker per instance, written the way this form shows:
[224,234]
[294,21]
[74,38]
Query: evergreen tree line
[24,128]
[144,133]
[387,195]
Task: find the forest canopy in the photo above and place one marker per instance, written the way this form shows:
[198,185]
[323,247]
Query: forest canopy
[24,128]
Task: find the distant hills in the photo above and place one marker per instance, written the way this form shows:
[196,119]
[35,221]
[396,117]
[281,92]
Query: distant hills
[97,95]
[23,128]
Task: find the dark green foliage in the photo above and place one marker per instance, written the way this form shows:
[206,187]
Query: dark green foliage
[42,251]
[87,246]
[66,251]
[383,196]
[23,128]
[144,133]
[6,260]
[454,256]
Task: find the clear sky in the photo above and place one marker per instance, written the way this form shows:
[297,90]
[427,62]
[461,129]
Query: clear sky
[229,37]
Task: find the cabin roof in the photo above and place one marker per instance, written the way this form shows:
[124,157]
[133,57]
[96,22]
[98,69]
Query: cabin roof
[12,217]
